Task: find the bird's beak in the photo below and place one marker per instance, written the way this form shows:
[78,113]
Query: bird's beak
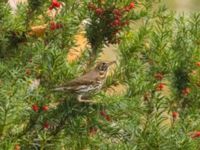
[111,63]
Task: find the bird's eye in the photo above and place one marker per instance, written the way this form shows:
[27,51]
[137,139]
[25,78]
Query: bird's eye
[104,67]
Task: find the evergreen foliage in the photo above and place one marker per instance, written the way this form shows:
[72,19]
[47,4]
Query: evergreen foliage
[159,62]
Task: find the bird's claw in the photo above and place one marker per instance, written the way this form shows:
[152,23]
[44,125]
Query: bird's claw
[79,98]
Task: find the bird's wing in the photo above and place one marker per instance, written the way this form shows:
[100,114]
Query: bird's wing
[86,79]
[71,86]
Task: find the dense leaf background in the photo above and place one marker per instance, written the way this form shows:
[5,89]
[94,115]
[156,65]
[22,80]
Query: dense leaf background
[156,41]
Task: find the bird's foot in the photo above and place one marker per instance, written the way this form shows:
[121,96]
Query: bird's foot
[81,100]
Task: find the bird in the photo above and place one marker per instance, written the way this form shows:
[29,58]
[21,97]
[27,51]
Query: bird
[88,83]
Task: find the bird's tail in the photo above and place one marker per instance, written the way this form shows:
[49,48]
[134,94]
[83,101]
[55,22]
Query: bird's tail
[59,89]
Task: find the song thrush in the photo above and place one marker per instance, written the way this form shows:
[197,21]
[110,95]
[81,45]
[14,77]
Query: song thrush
[90,82]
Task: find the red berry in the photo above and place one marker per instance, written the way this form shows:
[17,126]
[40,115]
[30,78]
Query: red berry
[55,3]
[186,91]
[99,11]
[45,108]
[131,5]
[35,108]
[175,115]
[54,26]
[198,64]
[160,86]
[158,76]
[116,22]
[46,125]
[196,134]
[107,117]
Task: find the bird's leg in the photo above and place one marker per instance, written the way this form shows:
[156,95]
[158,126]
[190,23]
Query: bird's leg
[79,98]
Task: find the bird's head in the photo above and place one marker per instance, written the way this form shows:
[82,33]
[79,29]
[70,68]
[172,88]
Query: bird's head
[102,67]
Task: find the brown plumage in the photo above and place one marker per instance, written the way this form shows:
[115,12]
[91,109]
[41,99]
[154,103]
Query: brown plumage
[87,83]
